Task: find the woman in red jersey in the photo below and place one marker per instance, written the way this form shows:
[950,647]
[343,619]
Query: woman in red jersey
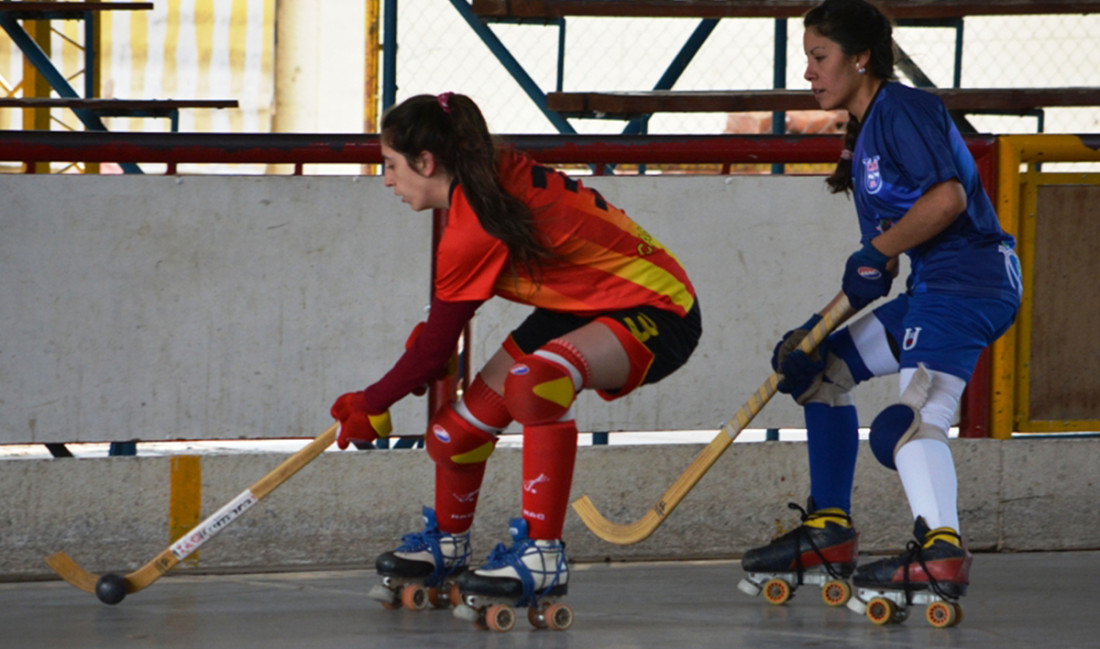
[613,310]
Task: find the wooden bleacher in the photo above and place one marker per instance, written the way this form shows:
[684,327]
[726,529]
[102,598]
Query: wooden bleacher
[897,9]
[627,105]
[106,107]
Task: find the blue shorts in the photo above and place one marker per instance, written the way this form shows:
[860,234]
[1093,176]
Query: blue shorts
[946,333]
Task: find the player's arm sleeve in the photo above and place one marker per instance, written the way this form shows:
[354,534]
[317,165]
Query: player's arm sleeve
[922,146]
[424,360]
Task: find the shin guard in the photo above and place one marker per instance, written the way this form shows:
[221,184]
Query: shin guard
[460,439]
[549,454]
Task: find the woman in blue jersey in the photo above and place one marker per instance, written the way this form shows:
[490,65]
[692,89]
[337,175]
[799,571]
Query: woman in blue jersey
[917,192]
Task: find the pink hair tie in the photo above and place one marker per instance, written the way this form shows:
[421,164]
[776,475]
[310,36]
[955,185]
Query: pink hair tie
[444,100]
[846,154]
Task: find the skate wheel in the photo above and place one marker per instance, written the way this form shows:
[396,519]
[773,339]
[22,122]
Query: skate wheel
[836,593]
[537,617]
[454,595]
[747,587]
[500,617]
[390,606]
[777,591]
[942,614]
[558,617]
[881,611]
[415,597]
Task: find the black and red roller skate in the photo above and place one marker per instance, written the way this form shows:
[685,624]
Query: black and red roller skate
[934,570]
[423,569]
[532,573]
[821,551]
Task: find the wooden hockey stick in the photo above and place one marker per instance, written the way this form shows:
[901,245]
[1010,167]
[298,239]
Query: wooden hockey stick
[118,587]
[648,523]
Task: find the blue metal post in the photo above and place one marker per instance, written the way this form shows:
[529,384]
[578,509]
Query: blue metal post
[389,54]
[676,68]
[779,81]
[512,65]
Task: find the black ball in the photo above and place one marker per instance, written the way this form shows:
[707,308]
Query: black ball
[111,589]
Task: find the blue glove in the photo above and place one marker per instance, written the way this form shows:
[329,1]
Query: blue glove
[865,277]
[791,340]
[801,371]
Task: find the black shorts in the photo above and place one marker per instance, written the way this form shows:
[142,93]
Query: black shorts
[658,342]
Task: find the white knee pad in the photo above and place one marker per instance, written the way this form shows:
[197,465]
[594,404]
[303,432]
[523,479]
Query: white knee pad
[925,411]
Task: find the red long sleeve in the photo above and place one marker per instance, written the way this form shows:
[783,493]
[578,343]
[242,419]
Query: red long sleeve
[424,361]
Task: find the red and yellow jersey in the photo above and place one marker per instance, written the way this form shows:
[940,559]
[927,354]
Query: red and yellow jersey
[600,260]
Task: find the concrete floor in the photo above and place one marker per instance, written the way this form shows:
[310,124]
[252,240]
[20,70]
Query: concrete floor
[1015,600]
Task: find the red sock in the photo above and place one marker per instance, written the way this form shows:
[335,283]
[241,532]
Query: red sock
[549,453]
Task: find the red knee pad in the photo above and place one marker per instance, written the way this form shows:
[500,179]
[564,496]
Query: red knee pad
[485,406]
[456,443]
[541,387]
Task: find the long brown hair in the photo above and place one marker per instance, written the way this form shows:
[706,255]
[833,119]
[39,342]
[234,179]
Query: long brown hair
[452,128]
[857,26]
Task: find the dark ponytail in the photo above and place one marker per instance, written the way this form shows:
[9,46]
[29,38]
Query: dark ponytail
[857,26]
[452,128]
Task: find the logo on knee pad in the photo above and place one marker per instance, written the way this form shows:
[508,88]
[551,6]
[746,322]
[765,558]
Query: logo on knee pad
[441,434]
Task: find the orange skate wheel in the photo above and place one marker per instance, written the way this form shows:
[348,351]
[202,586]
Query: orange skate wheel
[414,597]
[942,614]
[390,606]
[558,617]
[500,617]
[445,596]
[881,610]
[777,591]
[454,595]
[836,593]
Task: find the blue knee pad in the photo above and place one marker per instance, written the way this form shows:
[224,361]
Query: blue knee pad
[888,428]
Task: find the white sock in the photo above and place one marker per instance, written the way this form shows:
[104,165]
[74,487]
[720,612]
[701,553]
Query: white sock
[927,473]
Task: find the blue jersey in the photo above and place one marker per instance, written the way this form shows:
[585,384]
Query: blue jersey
[907,144]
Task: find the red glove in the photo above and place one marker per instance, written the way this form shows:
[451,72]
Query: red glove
[448,370]
[357,425]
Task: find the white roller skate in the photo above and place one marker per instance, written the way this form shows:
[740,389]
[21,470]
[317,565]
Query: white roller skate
[821,551]
[423,569]
[532,574]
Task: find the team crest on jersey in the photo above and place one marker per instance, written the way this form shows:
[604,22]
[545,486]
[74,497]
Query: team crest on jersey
[911,335]
[872,177]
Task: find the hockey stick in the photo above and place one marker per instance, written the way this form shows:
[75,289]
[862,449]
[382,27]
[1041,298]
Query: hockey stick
[111,589]
[645,526]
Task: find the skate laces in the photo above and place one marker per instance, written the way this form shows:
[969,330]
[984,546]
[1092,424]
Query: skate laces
[433,540]
[817,519]
[545,570]
[915,550]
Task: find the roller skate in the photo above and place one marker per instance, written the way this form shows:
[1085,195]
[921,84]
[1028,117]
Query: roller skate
[934,570]
[821,551]
[423,569]
[532,573]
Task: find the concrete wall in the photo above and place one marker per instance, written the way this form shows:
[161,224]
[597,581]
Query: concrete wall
[111,514]
[239,307]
